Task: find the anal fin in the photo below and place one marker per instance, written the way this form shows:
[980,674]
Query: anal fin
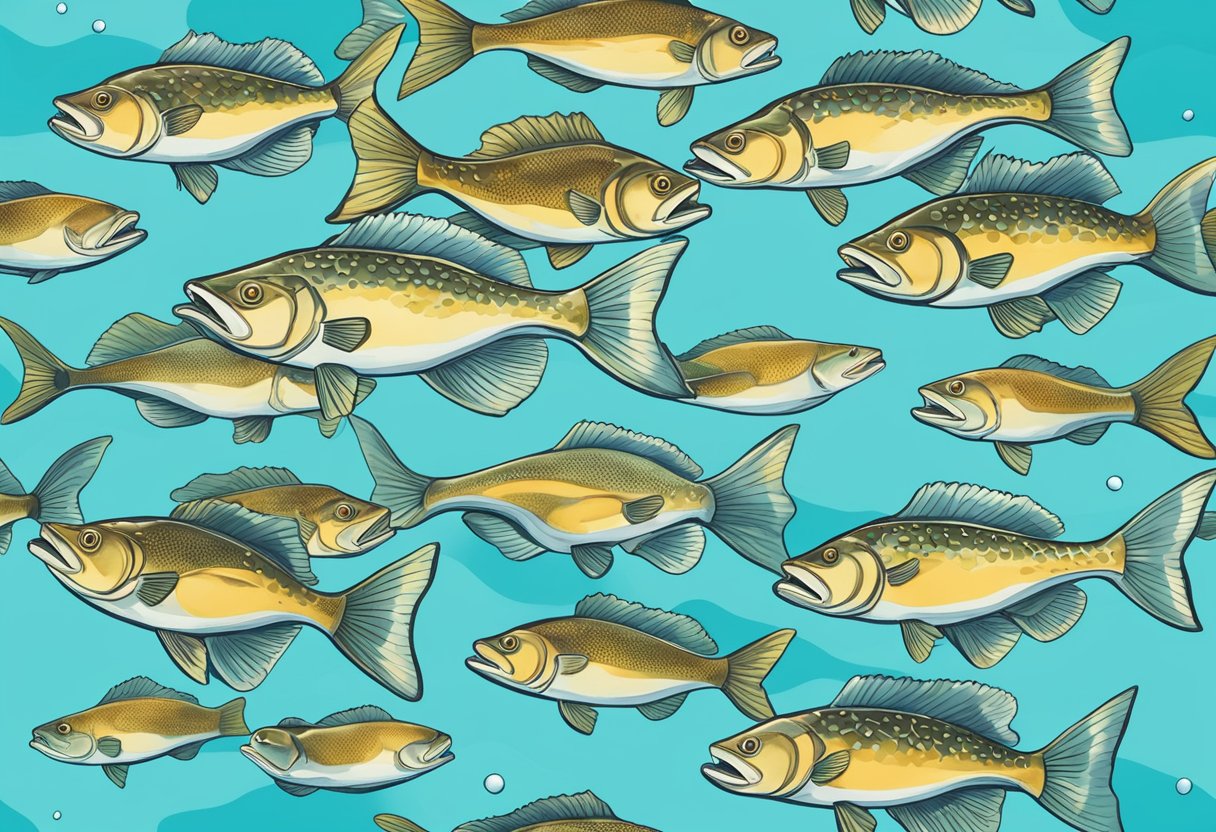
[984,641]
[674,104]
[560,75]
[503,535]
[919,639]
[199,180]
[594,559]
[946,172]
[493,379]
[578,716]
[831,203]
[188,653]
[1082,302]
[1020,317]
[242,660]
[675,551]
[1050,614]
[663,708]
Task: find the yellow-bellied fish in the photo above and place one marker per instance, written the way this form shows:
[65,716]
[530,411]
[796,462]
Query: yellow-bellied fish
[177,376]
[602,486]
[227,591]
[401,293]
[762,370]
[934,754]
[876,115]
[981,567]
[1028,400]
[251,107]
[56,497]
[618,654]
[582,812]
[357,750]
[332,523]
[551,181]
[946,17]
[137,721]
[673,47]
[1032,242]
[43,233]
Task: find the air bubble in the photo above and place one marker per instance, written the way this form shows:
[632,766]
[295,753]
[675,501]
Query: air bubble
[1188,115]
[494,783]
[62,8]
[1184,786]
[56,815]
[99,26]
[1114,483]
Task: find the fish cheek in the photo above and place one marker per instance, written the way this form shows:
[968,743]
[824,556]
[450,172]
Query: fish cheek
[933,262]
[128,125]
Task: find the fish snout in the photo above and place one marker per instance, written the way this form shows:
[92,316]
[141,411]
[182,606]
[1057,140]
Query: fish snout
[729,771]
[488,661]
[378,531]
[117,234]
[681,208]
[938,410]
[762,56]
[869,362]
[802,587]
[712,166]
[213,312]
[53,550]
[74,123]
[867,272]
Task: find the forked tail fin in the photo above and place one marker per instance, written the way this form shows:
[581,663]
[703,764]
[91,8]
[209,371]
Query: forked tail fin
[386,164]
[58,492]
[747,669]
[1185,248]
[46,377]
[403,491]
[1159,399]
[358,82]
[1083,103]
[445,43]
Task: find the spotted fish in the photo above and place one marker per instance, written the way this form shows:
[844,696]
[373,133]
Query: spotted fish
[582,812]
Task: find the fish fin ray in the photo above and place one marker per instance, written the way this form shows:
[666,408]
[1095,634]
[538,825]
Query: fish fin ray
[337,387]
[1050,614]
[244,478]
[379,16]
[982,507]
[870,14]
[493,379]
[833,157]
[109,746]
[945,172]
[918,69]
[1184,251]
[563,255]
[294,789]
[141,687]
[585,209]
[187,652]
[1033,363]
[138,334]
[729,339]
[1083,105]
[990,271]
[356,716]
[357,83]
[277,538]
[180,119]
[166,414]
[503,535]
[386,165]
[662,708]
[277,155]
[747,669]
[1078,176]
[966,810]
[20,189]
[199,180]
[156,587]
[977,707]
[903,573]
[853,818]
[187,752]
[560,75]
[570,663]
[1019,317]
[271,57]
[831,203]
[578,716]
[346,334]
[678,629]
[919,639]
[536,132]
[251,429]
[58,492]
[674,104]
[397,487]
[675,551]
[830,767]
[984,641]
[242,660]
[1017,457]
[593,559]
[1088,435]
[1082,302]
[643,508]
[613,438]
[117,774]
[1160,399]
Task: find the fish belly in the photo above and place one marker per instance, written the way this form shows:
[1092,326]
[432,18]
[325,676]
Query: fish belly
[828,795]
[548,225]
[968,293]
[138,747]
[226,134]
[628,60]
[46,251]
[598,684]
[382,770]
[1022,425]
[798,393]
[218,400]
[967,610]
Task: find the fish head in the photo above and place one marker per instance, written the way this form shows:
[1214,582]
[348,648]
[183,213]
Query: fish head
[107,119]
[431,750]
[518,659]
[647,199]
[94,559]
[905,262]
[772,759]
[842,577]
[732,50]
[964,405]
[838,366]
[350,525]
[99,230]
[274,749]
[268,315]
[68,739]
[769,148]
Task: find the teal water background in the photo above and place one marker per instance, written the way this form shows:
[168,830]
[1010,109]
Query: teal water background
[762,258]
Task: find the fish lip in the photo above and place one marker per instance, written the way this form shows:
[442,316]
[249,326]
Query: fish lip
[865,270]
[62,560]
[74,123]
[210,310]
[118,235]
[937,409]
[761,56]
[866,367]
[802,586]
[486,663]
[439,752]
[713,167]
[377,532]
[681,208]
[729,771]
[251,753]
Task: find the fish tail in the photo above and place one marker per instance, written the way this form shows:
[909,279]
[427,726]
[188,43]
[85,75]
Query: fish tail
[1155,541]
[378,17]
[445,43]
[232,718]
[358,82]
[386,164]
[746,669]
[1185,249]
[1159,399]
[751,505]
[376,630]
[46,377]
[1083,104]
[1079,765]
[403,491]
[395,823]
[58,493]
[621,307]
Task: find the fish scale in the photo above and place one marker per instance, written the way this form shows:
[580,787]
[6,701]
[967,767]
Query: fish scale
[1040,220]
[613,19]
[167,717]
[538,177]
[904,103]
[22,218]
[626,649]
[218,89]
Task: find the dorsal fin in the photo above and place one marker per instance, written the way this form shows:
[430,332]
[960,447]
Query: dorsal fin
[137,334]
[611,437]
[9,484]
[270,57]
[738,336]
[540,8]
[985,710]
[241,479]
[1072,175]
[583,805]
[439,238]
[295,722]
[21,189]
[535,132]
[1081,375]
[670,626]
[914,69]
[352,716]
[141,687]
[277,538]
[983,507]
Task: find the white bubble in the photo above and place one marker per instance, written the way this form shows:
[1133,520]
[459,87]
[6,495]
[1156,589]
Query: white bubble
[57,814]
[62,8]
[1114,483]
[494,783]
[1184,786]
[99,26]
[1188,115]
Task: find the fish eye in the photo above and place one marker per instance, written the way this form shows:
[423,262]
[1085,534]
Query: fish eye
[956,387]
[830,555]
[251,293]
[63,728]
[750,746]
[661,184]
[345,511]
[852,352]
[509,643]
[89,540]
[898,241]
[102,99]
[739,35]
[735,142]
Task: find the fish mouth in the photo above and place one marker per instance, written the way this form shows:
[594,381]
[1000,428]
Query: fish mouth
[802,587]
[762,56]
[867,272]
[378,532]
[213,312]
[937,409]
[729,772]
[119,234]
[250,752]
[866,367]
[681,208]
[74,123]
[487,662]
[55,552]
[439,752]
[712,166]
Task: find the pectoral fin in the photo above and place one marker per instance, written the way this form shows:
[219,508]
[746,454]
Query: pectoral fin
[831,203]
[833,157]
[585,209]
[117,775]
[1017,457]
[307,529]
[346,334]
[578,716]
[41,275]
[674,104]
[594,559]
[109,746]
[830,767]
[903,573]
[180,119]
[990,271]
[850,818]
[919,639]
[682,52]
[156,587]
[643,509]
[199,180]
[570,663]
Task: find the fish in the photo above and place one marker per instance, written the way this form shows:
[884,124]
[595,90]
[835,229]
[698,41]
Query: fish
[1028,400]
[620,654]
[1033,243]
[881,114]
[560,813]
[177,376]
[249,107]
[227,590]
[946,17]
[764,371]
[666,45]
[44,233]
[406,294]
[357,750]
[56,497]
[602,486]
[331,523]
[981,567]
[550,181]
[136,721]
[935,754]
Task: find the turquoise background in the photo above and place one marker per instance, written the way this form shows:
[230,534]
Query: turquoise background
[762,258]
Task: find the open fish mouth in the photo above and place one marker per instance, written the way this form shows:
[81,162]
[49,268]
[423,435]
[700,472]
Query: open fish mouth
[867,272]
[937,409]
[866,367]
[729,771]
[119,234]
[681,208]
[250,752]
[75,124]
[439,753]
[55,553]
[802,587]
[213,312]
[378,532]
[488,663]
[762,56]
[712,166]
